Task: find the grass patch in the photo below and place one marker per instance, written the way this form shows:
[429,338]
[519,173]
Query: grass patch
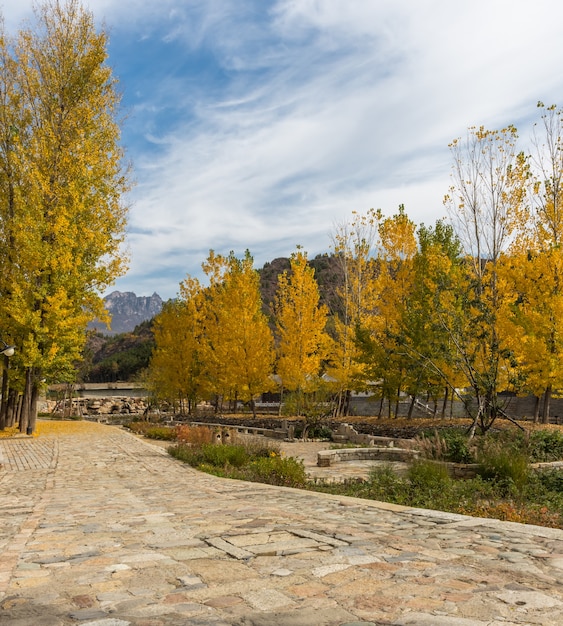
[255,461]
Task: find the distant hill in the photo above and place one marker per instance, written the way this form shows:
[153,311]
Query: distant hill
[127,311]
[328,274]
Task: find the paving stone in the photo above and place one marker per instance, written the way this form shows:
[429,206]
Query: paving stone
[88,614]
[529,599]
[107,622]
[268,599]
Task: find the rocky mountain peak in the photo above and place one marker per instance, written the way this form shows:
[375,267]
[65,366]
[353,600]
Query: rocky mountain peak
[128,310]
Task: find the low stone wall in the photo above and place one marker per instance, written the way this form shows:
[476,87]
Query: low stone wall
[326,458]
[348,434]
[286,430]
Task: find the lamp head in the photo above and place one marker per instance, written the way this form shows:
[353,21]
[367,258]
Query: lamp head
[8,350]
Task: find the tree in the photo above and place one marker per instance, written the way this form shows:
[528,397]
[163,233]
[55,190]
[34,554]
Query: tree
[354,248]
[176,368]
[535,271]
[300,323]
[435,307]
[487,207]
[61,216]
[239,351]
[380,333]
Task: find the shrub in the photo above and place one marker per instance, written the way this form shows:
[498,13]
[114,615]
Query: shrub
[276,470]
[429,481]
[509,511]
[507,466]
[551,480]
[195,435]
[255,461]
[314,431]
[219,455]
[458,447]
[162,433]
[139,428]
[153,431]
[447,445]
[545,445]
[384,484]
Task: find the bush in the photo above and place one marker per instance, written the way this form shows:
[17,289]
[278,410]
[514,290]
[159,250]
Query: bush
[254,461]
[153,431]
[517,512]
[384,484]
[545,445]
[458,448]
[215,455]
[195,435]
[551,480]
[508,467]
[447,445]
[314,431]
[276,470]
[162,433]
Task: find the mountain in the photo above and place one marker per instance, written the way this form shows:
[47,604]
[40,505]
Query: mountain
[127,311]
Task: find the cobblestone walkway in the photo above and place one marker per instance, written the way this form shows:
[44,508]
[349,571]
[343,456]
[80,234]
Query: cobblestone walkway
[103,529]
[27,454]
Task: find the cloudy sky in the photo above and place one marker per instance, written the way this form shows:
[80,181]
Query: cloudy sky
[262,124]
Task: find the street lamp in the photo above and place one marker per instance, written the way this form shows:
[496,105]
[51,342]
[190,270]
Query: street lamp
[6,349]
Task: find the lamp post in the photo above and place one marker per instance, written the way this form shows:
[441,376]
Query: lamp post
[7,351]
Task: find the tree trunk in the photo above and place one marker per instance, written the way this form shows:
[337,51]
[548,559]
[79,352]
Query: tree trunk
[32,422]
[4,405]
[445,403]
[11,409]
[546,404]
[25,413]
[537,410]
[411,407]
[397,402]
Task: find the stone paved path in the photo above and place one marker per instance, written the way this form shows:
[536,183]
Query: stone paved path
[103,529]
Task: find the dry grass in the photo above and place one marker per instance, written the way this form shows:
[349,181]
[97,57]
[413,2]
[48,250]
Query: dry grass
[45,428]
[9,432]
[71,427]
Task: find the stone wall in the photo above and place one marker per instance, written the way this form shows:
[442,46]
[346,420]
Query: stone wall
[115,405]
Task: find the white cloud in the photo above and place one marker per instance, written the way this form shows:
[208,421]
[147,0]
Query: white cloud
[309,109]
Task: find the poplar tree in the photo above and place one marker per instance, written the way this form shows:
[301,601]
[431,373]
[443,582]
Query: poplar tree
[176,371]
[487,206]
[354,247]
[381,334]
[61,215]
[534,319]
[239,351]
[300,322]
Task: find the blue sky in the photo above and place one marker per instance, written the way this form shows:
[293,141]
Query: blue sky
[263,124]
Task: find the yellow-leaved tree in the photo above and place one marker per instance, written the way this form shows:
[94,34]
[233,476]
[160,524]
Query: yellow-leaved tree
[487,206]
[176,372]
[62,219]
[302,344]
[534,270]
[238,349]
[354,248]
[380,335]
